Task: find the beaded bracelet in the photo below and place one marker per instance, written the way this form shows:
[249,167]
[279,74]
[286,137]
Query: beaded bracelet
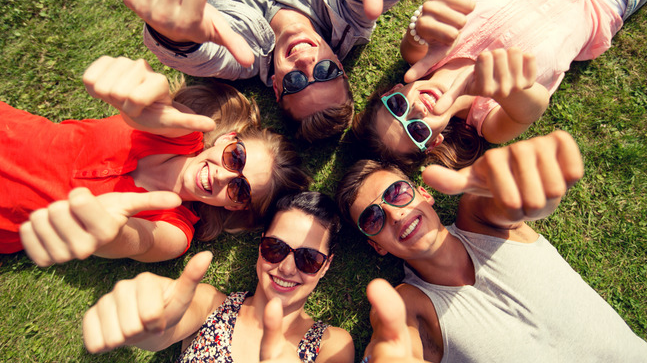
[412,26]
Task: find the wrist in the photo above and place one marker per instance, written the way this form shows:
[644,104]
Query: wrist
[181,48]
[411,29]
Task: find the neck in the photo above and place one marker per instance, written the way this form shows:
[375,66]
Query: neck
[449,265]
[160,172]
[286,17]
[292,315]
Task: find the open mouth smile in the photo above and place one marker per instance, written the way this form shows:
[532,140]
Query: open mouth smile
[203,178]
[299,46]
[408,230]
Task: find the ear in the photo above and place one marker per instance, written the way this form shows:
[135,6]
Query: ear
[437,141]
[275,87]
[236,207]
[381,251]
[423,192]
[226,137]
[393,89]
[326,266]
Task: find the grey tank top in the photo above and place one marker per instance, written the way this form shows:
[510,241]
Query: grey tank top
[526,305]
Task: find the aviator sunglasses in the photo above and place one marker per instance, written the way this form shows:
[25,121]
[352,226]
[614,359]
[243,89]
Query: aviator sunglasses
[297,81]
[372,219]
[233,159]
[307,260]
[419,132]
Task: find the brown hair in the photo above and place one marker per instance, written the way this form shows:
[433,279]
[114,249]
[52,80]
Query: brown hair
[232,111]
[353,180]
[461,146]
[325,123]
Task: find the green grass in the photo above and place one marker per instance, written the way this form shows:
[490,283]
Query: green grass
[599,228]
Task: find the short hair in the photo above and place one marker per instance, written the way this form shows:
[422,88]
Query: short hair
[327,122]
[354,179]
[315,204]
[461,146]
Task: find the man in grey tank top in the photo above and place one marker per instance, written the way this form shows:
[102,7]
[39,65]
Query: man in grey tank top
[488,288]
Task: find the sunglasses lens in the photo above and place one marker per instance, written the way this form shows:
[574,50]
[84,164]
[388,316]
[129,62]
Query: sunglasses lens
[294,81]
[309,260]
[239,190]
[234,157]
[419,131]
[325,70]
[273,250]
[371,220]
[397,104]
[399,194]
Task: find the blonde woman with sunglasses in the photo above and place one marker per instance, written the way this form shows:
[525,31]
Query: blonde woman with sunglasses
[135,184]
[295,252]
[482,72]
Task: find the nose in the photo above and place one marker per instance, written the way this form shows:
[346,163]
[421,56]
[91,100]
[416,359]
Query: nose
[224,176]
[393,214]
[418,110]
[306,64]
[288,267]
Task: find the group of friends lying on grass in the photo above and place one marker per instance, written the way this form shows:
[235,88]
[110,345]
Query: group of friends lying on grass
[190,162]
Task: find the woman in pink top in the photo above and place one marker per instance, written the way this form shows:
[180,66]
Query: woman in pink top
[133,185]
[488,64]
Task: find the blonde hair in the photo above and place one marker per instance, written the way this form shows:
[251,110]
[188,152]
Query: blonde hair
[232,111]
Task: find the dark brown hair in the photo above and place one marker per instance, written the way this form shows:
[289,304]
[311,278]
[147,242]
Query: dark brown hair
[325,123]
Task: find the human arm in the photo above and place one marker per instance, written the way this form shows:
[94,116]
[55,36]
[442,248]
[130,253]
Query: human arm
[395,336]
[438,25]
[150,311]
[192,21]
[508,76]
[513,184]
[85,224]
[336,344]
[142,96]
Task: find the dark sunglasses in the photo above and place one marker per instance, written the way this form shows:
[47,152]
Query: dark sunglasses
[372,219]
[419,132]
[233,159]
[297,81]
[307,260]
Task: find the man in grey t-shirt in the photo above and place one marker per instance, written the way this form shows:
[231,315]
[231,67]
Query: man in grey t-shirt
[294,46]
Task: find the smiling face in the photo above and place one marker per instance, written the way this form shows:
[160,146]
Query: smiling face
[410,231]
[205,178]
[422,97]
[283,279]
[299,47]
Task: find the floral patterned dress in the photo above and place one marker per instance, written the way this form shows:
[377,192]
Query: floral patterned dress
[213,342]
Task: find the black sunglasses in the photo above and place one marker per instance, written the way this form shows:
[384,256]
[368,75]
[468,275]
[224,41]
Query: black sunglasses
[307,260]
[419,132]
[234,157]
[398,194]
[297,81]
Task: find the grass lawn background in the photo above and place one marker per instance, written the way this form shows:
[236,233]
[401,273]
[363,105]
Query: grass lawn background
[599,228]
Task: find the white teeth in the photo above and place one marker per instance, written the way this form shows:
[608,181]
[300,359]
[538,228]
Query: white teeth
[300,46]
[408,231]
[204,178]
[283,283]
[430,98]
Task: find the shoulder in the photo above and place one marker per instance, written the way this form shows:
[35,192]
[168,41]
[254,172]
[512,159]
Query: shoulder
[336,344]
[416,302]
